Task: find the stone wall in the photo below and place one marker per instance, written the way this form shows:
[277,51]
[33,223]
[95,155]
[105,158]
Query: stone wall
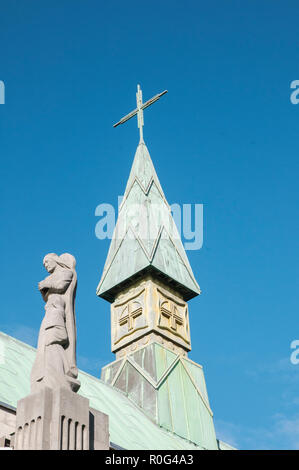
[7,421]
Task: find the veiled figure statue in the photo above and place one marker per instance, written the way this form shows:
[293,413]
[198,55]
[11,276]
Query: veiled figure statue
[55,362]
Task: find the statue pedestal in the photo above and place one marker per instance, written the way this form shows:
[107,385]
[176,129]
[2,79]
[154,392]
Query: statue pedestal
[59,420]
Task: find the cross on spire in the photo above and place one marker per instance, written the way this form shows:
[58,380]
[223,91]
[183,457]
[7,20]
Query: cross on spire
[139,110]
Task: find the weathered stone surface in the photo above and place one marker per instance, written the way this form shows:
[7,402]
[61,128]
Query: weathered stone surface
[149,308]
[33,421]
[70,421]
[98,430]
[55,363]
[7,421]
[59,420]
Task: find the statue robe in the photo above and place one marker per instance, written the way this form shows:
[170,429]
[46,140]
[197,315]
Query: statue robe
[54,365]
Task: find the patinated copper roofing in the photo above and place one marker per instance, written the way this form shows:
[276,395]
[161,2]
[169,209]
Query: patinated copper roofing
[146,239]
[129,426]
[169,388]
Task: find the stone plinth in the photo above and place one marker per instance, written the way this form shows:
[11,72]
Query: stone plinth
[59,420]
[98,430]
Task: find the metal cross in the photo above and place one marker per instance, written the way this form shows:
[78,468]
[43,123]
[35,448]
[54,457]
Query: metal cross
[139,110]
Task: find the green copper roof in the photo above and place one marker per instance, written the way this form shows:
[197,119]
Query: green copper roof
[169,388]
[129,427]
[146,238]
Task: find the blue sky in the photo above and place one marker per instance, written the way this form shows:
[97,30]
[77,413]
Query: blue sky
[225,135]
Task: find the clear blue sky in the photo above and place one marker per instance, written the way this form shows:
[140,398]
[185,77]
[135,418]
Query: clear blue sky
[225,135]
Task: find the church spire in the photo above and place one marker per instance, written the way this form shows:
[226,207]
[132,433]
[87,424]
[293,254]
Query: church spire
[148,280]
[146,238]
[146,249]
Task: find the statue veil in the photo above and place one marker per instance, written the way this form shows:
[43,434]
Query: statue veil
[68,261]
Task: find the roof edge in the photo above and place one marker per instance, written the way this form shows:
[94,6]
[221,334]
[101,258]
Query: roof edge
[110,294]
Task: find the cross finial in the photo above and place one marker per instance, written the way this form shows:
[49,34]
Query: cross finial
[139,110]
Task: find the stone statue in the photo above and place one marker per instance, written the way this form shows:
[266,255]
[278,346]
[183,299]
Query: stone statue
[55,363]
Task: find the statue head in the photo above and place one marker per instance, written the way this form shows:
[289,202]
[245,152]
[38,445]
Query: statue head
[50,262]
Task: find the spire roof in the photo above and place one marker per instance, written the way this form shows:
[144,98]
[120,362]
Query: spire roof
[145,239]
